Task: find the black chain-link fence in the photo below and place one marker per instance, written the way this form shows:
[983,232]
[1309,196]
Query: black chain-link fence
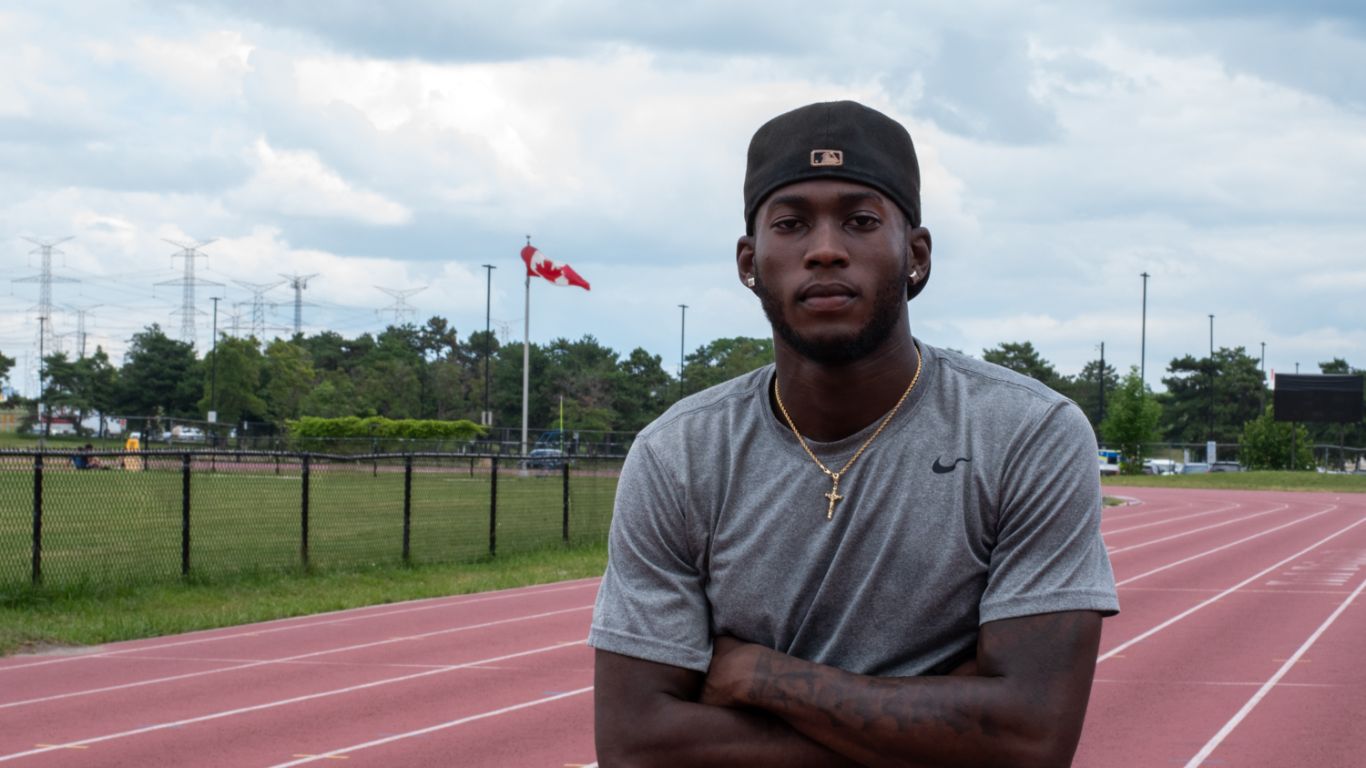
[73,517]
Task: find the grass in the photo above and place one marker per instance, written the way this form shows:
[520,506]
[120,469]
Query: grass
[125,527]
[1246,481]
[91,613]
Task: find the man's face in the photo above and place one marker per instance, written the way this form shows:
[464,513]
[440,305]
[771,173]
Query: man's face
[831,260]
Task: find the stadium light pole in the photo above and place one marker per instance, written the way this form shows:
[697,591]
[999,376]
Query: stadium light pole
[1211,379]
[213,369]
[1263,366]
[1143,337]
[43,424]
[488,340]
[682,328]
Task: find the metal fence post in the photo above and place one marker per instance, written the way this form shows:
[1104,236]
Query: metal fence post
[185,514]
[407,503]
[303,515]
[493,508]
[564,468]
[37,519]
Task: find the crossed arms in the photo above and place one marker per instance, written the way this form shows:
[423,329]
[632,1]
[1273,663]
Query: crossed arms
[1020,703]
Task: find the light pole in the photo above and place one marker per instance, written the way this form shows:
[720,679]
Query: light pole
[1262,402]
[1101,417]
[44,423]
[213,369]
[1143,338]
[1210,414]
[682,328]
[488,340]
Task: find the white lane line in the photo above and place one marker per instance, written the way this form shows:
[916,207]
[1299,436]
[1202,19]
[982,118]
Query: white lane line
[1220,548]
[1171,520]
[1145,635]
[302,622]
[433,728]
[1148,508]
[284,702]
[286,659]
[1261,693]
[1183,534]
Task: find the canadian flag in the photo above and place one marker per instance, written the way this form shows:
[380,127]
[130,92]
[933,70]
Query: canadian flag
[560,274]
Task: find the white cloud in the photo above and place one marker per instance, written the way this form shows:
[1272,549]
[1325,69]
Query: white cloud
[297,183]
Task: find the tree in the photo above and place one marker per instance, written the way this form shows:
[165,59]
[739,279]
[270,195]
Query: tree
[1085,388]
[288,378]
[1238,392]
[1266,444]
[1132,416]
[1021,357]
[724,359]
[641,390]
[6,365]
[238,387]
[159,375]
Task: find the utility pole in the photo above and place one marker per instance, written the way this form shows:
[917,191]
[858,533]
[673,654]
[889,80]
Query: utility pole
[488,340]
[1262,402]
[682,328]
[45,423]
[213,369]
[1102,383]
[1143,337]
[45,279]
[1210,410]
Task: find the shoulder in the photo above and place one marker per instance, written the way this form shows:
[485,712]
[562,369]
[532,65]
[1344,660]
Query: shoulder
[958,370]
[717,406]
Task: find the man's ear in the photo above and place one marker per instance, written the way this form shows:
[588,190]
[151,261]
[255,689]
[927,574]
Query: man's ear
[918,247]
[744,260]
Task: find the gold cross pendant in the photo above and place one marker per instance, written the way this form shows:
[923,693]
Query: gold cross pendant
[833,495]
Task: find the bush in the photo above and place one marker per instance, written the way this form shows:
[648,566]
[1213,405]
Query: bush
[1131,422]
[379,430]
[1266,444]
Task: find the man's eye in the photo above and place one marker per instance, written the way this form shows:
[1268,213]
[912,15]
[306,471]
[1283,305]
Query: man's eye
[863,220]
[787,224]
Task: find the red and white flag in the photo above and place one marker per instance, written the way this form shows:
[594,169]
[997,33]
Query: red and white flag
[538,265]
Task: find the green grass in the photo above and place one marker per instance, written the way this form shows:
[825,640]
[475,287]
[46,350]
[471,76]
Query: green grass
[1246,481]
[124,527]
[90,613]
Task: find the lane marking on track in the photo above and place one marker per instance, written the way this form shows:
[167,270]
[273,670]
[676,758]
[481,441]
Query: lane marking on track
[324,757]
[1183,534]
[62,746]
[293,700]
[290,659]
[438,727]
[1171,520]
[1178,617]
[1222,547]
[302,622]
[1261,693]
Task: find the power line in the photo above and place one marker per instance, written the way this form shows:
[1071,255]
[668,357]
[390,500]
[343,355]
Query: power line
[47,339]
[187,282]
[298,283]
[258,306]
[400,307]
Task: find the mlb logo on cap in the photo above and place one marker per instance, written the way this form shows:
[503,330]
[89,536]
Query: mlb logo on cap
[820,157]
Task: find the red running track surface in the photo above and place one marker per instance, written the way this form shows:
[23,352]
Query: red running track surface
[1237,646]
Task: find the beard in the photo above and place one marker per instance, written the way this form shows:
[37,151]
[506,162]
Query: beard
[845,348]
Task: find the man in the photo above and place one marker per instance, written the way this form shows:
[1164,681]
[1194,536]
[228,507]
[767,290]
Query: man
[873,552]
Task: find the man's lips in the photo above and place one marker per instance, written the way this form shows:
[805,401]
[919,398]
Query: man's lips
[826,296]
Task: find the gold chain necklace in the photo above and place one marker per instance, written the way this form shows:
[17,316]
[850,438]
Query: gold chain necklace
[834,494]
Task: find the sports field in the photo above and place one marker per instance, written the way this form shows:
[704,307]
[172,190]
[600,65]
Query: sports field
[129,526]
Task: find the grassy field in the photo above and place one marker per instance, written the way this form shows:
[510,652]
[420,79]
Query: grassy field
[125,527]
[1246,481]
[35,620]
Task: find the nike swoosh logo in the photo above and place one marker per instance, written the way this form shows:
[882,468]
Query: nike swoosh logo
[941,469]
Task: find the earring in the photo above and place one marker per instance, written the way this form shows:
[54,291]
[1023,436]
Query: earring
[749,280]
[914,275]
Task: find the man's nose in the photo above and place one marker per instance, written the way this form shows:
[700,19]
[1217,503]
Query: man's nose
[825,247]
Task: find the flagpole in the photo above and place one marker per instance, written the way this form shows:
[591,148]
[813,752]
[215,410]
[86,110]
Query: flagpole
[526,350]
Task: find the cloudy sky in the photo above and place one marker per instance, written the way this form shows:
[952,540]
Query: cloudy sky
[1066,148]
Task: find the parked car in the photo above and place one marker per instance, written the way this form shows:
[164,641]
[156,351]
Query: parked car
[1226,466]
[1195,468]
[546,458]
[1159,467]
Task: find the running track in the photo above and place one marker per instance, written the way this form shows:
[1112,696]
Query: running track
[1238,645]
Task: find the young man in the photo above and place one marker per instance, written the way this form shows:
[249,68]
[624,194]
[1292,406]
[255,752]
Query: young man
[872,552]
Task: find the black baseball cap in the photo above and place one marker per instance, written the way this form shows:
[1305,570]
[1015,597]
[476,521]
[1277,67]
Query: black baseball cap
[834,140]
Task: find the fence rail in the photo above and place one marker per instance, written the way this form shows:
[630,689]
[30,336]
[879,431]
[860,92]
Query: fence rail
[71,517]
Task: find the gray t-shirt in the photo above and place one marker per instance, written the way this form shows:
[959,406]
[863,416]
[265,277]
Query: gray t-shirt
[980,501]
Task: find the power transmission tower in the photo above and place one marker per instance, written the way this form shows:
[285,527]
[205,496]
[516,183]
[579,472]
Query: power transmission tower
[259,304]
[235,319]
[187,311]
[400,307]
[298,283]
[47,339]
[81,314]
